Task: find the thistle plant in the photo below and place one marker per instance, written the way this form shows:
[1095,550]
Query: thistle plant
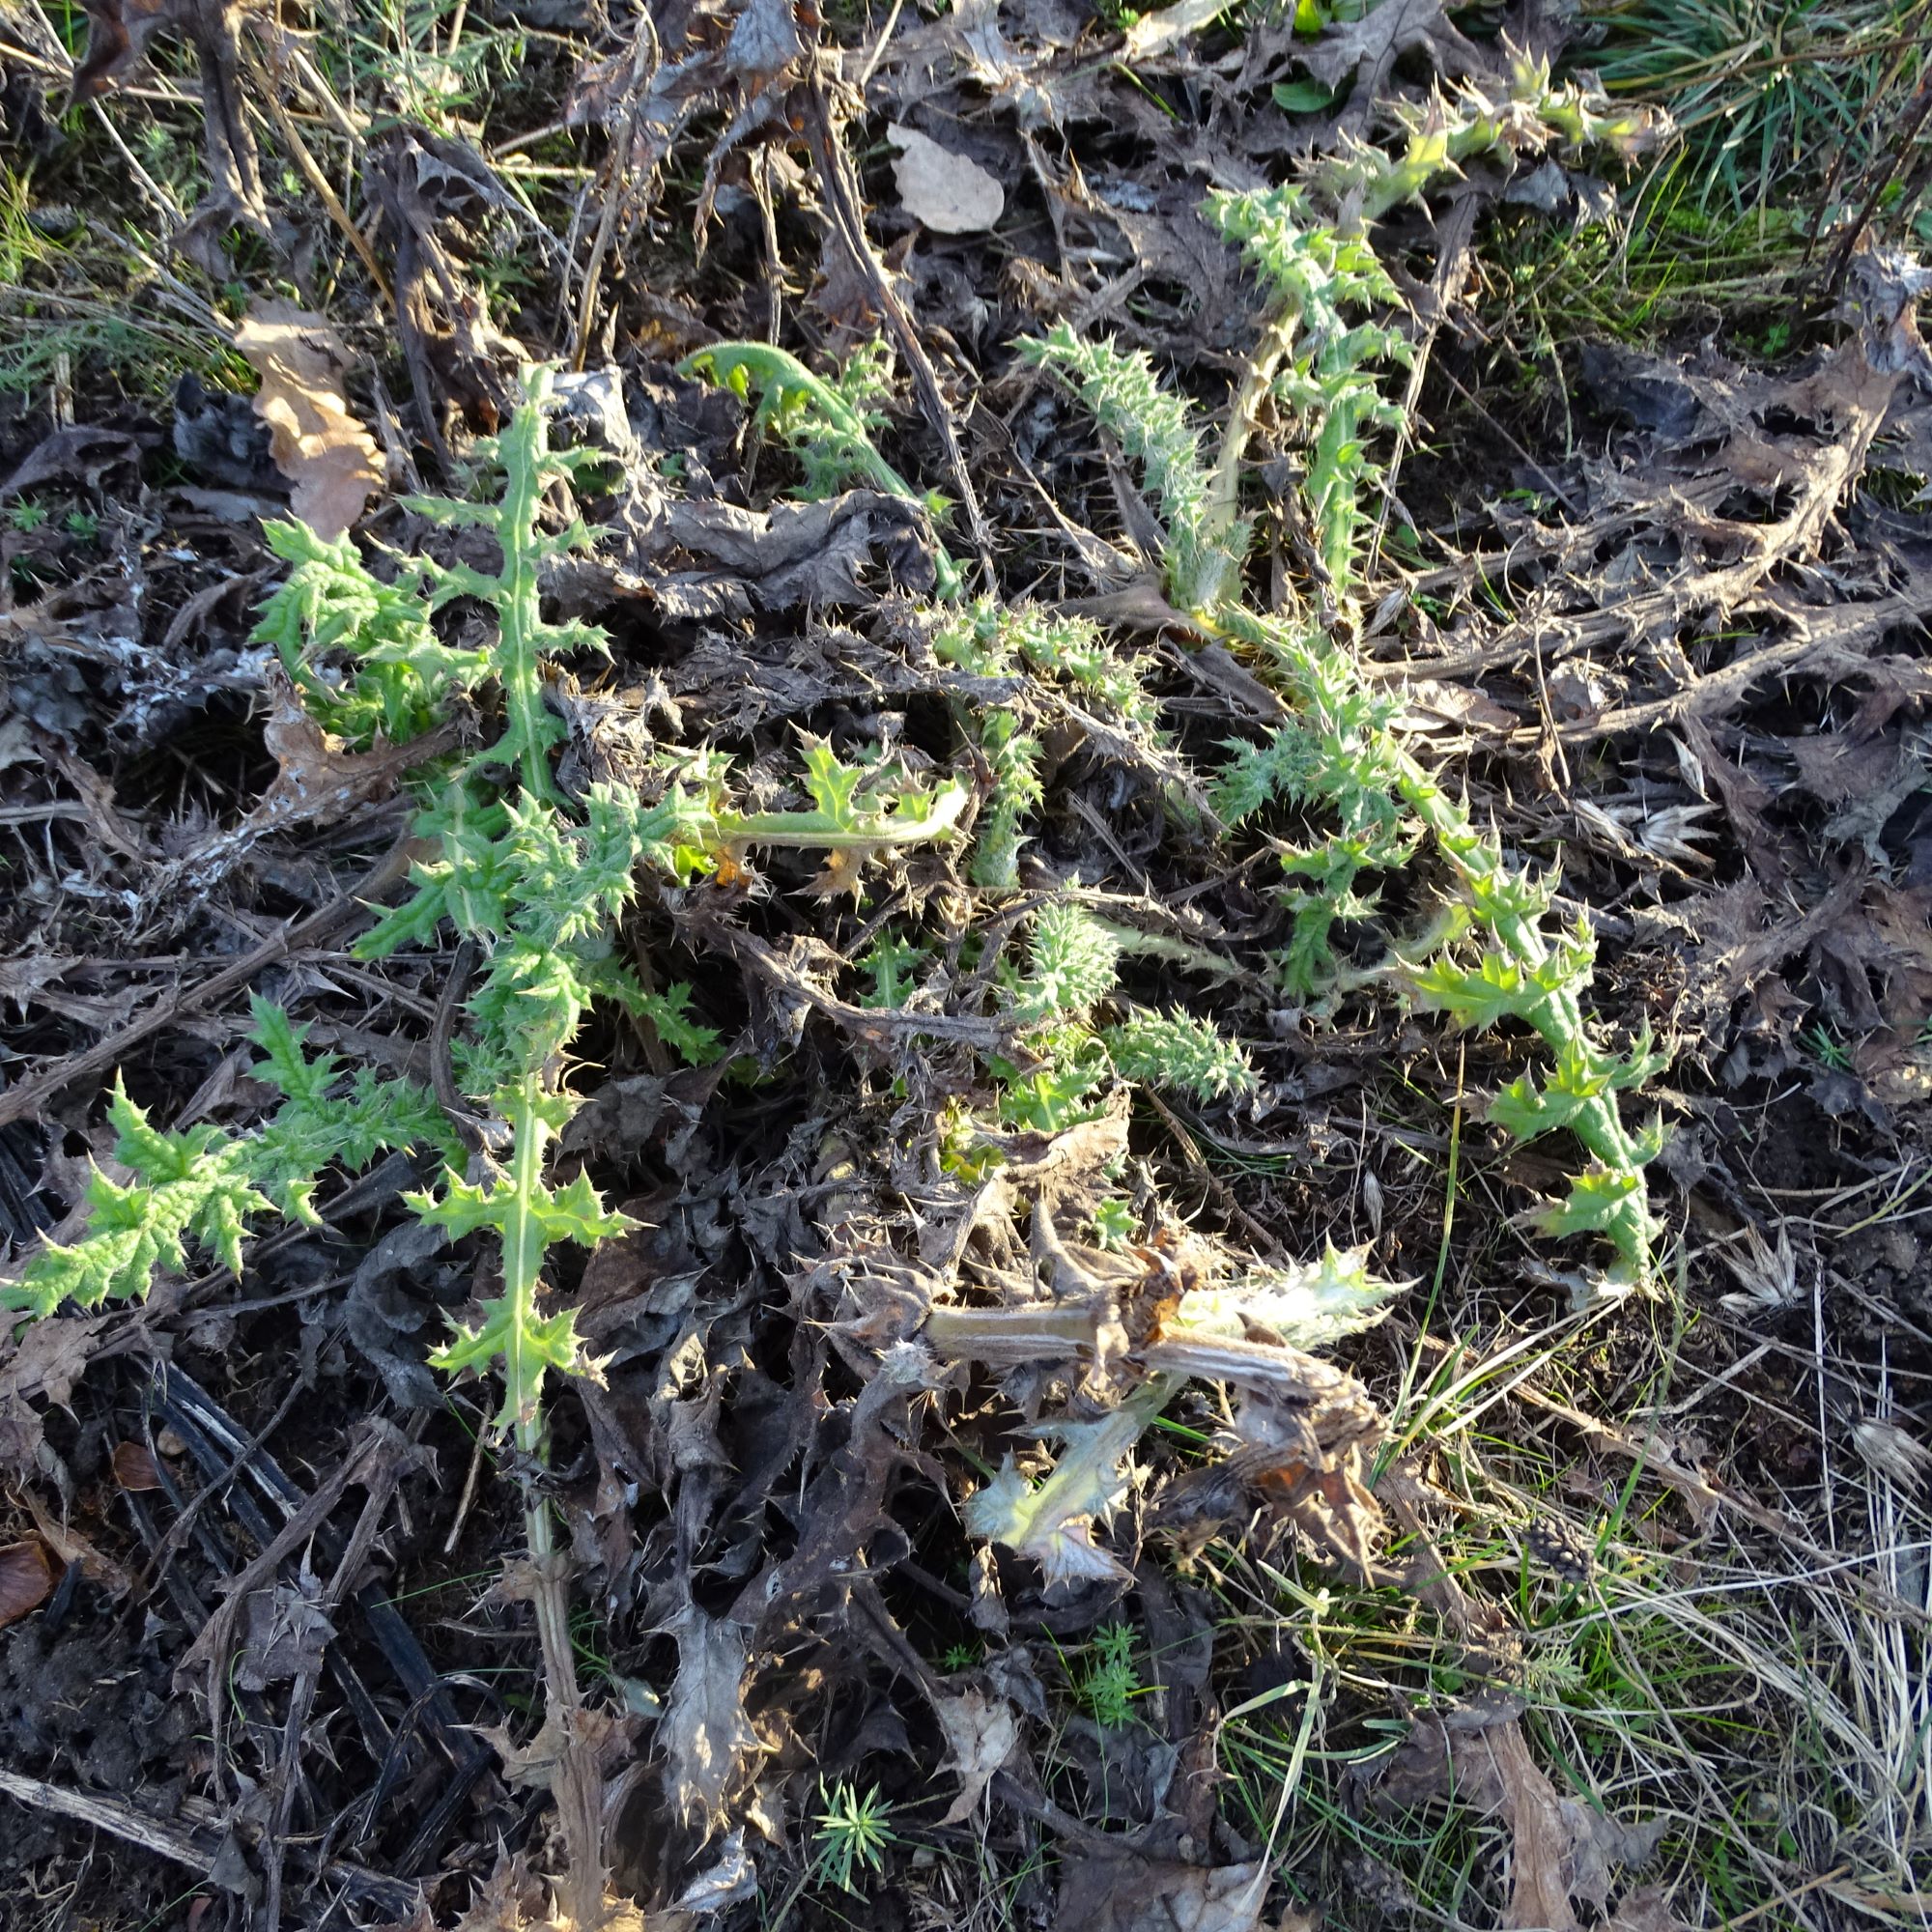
[990,640]
[1340,756]
[1073,967]
[535,882]
[204,1187]
[1528,113]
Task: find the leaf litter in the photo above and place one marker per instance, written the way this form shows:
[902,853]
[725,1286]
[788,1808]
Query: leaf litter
[955,1316]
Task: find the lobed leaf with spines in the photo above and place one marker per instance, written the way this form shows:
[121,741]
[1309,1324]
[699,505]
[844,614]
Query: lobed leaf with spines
[1013,755]
[528,1218]
[203,1186]
[670,1012]
[1052,1521]
[1306,1305]
[829,424]
[1501,987]
[195,1185]
[398,673]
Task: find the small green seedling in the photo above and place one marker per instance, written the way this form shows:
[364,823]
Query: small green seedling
[853,1834]
[1111,1681]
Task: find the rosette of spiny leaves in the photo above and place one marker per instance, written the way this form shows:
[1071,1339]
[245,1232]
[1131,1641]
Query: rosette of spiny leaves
[1123,391]
[1072,968]
[1340,756]
[203,1187]
[538,882]
[1313,361]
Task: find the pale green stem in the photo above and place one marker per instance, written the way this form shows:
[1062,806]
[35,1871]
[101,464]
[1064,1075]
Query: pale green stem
[813,830]
[520,658]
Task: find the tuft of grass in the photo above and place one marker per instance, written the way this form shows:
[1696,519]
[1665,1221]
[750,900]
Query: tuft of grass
[1770,94]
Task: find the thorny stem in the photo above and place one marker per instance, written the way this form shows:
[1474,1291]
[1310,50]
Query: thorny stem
[1221,569]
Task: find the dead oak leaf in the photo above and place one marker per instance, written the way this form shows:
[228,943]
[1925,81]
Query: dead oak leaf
[322,451]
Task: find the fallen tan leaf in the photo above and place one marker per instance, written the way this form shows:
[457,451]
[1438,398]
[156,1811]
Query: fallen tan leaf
[1561,1847]
[1645,1910]
[325,452]
[1103,1892]
[42,1366]
[319,782]
[945,191]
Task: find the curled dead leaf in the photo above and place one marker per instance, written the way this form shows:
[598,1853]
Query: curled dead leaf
[981,1734]
[319,782]
[26,1580]
[1104,1892]
[325,452]
[1561,1847]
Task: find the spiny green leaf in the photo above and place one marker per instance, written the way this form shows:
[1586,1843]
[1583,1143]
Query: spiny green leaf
[1074,962]
[1180,1054]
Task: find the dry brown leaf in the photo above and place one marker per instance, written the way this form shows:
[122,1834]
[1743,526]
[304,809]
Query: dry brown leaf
[317,445]
[1104,1892]
[42,1366]
[26,1580]
[71,1548]
[514,1899]
[1645,1910]
[1477,1756]
[981,1733]
[946,191]
[704,1730]
[134,1467]
[319,782]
